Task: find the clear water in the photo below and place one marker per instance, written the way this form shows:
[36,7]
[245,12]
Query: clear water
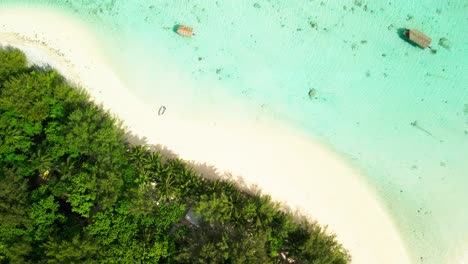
[371,87]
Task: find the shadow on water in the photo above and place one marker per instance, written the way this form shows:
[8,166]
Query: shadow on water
[401,34]
[175,27]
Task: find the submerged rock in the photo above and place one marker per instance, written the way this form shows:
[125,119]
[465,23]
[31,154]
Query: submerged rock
[313,24]
[312,93]
[444,43]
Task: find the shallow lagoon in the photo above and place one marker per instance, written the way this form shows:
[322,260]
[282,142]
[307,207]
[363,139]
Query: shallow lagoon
[396,112]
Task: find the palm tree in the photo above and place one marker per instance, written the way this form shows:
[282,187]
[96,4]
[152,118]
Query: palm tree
[139,157]
[66,169]
[138,154]
[166,188]
[42,163]
[153,162]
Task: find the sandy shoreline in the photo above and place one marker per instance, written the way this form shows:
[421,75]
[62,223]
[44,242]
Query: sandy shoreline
[288,165]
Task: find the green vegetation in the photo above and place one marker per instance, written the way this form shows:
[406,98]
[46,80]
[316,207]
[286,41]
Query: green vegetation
[73,190]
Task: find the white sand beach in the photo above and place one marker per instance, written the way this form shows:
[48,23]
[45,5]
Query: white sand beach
[284,163]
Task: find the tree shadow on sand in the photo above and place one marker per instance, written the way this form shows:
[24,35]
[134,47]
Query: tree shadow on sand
[210,172]
[204,170]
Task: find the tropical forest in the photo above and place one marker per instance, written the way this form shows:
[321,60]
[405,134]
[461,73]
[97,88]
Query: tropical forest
[73,189]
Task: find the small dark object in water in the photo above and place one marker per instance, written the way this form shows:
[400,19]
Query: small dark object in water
[313,24]
[161,110]
[357,2]
[417,38]
[312,93]
[415,124]
[444,43]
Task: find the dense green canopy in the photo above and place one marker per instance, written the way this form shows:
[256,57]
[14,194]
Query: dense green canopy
[73,190]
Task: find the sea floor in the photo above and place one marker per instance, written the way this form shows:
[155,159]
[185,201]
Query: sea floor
[336,70]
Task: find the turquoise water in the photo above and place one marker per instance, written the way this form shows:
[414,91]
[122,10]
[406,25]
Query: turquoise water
[371,86]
